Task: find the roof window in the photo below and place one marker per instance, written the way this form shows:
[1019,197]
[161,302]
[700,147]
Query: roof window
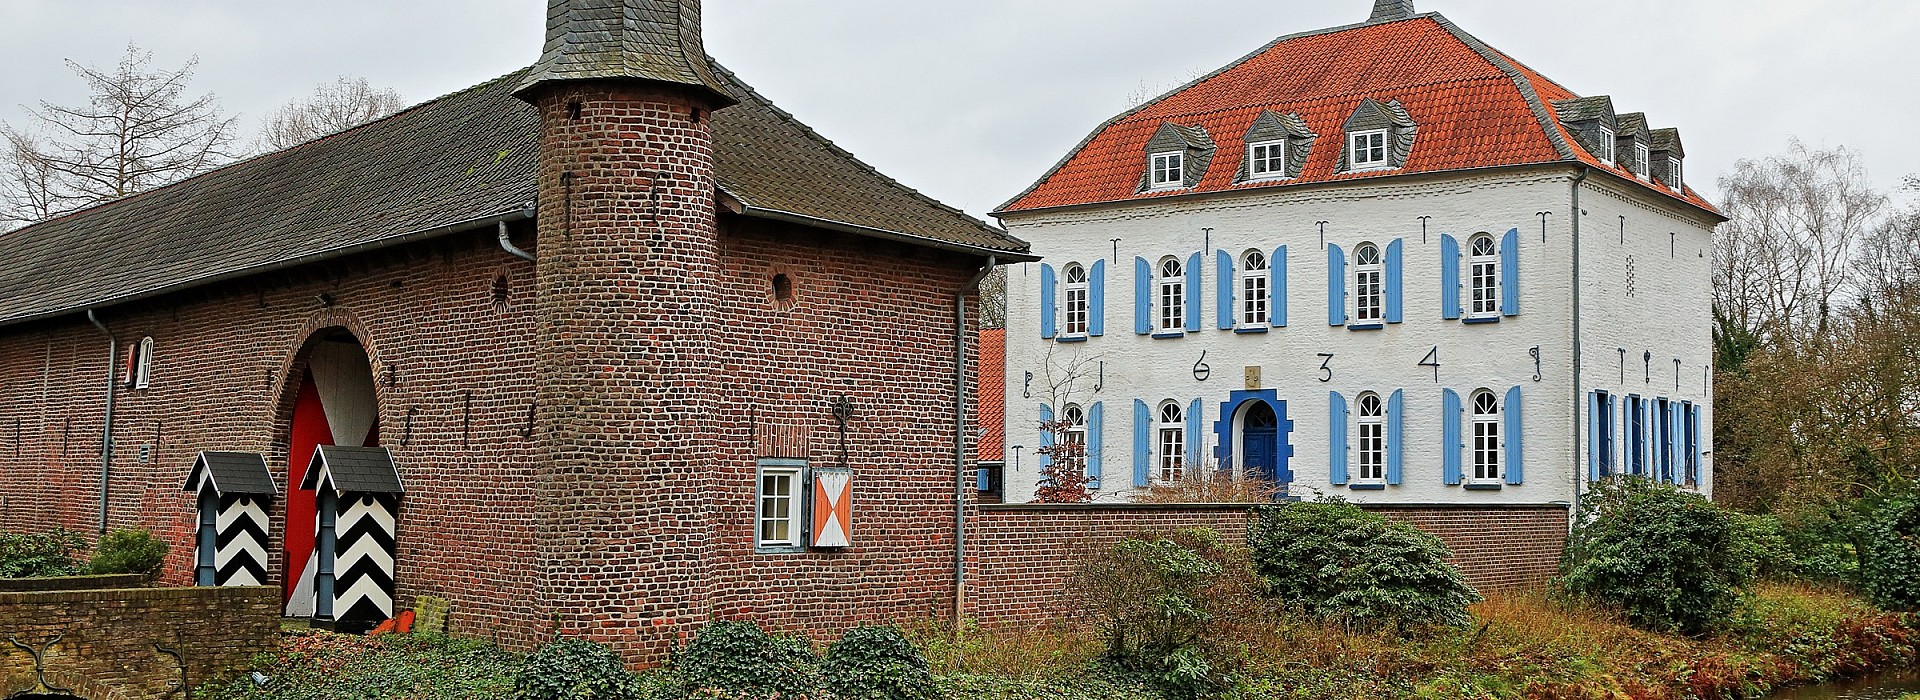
[1380,136]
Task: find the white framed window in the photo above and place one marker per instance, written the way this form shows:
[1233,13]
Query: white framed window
[1676,179]
[1373,440]
[1368,297]
[1483,278]
[1167,170]
[1608,142]
[1267,160]
[1173,442]
[143,364]
[780,487]
[1642,160]
[1368,150]
[1076,301]
[1173,296]
[1254,280]
[1076,432]
[1486,437]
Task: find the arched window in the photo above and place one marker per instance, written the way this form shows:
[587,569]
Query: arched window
[1486,436]
[1173,296]
[1076,292]
[1254,278]
[1483,278]
[143,364]
[1076,433]
[1373,439]
[1368,304]
[1173,443]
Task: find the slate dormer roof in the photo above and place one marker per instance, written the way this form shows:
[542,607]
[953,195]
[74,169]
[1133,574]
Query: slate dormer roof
[1192,142]
[448,165]
[654,40]
[1274,126]
[1476,108]
[1667,141]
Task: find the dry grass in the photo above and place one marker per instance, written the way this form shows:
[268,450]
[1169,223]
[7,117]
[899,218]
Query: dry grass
[1209,486]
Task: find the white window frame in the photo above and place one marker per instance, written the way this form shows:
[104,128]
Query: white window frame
[1369,279]
[1642,161]
[1167,163]
[143,363]
[1675,175]
[1483,275]
[1360,150]
[1484,441]
[1171,441]
[1172,299]
[1372,440]
[1256,290]
[1075,304]
[793,474]
[1276,154]
[1076,431]
[1609,143]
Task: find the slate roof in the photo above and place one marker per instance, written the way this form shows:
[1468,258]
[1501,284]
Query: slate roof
[456,162]
[632,39]
[1580,109]
[233,473]
[992,402]
[353,470]
[1476,108]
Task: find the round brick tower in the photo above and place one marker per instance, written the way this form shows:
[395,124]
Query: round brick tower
[627,275]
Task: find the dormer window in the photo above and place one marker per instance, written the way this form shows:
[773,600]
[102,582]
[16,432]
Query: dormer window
[1674,173]
[1607,146]
[1267,160]
[1369,150]
[1168,170]
[1642,159]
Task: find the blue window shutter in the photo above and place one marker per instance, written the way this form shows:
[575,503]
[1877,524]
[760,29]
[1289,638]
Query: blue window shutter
[1510,274]
[1095,416]
[1142,297]
[1048,298]
[1142,442]
[1676,447]
[1449,277]
[1195,424]
[1391,285]
[1593,436]
[1698,448]
[1450,445]
[1277,286]
[1193,293]
[1516,449]
[1223,304]
[1336,438]
[1097,299]
[1396,421]
[1046,436]
[1336,286]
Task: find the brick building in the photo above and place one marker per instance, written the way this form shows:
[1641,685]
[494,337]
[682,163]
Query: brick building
[611,346]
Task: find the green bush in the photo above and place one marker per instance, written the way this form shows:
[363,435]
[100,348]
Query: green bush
[54,553]
[1890,553]
[1153,600]
[1333,561]
[876,663]
[313,664]
[575,669]
[129,552]
[742,658]
[1767,546]
[1671,561]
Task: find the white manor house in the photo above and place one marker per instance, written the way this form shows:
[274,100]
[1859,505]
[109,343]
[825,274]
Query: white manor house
[1383,261]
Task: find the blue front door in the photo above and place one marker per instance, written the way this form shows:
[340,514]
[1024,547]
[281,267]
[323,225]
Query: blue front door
[1259,439]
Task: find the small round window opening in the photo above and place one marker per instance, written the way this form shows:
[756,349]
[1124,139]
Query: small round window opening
[783,294]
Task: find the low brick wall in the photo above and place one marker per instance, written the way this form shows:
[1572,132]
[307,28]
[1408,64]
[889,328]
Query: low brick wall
[106,644]
[1023,556]
[72,583]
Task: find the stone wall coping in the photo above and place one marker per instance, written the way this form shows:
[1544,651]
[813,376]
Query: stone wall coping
[73,583]
[1218,507]
[134,594]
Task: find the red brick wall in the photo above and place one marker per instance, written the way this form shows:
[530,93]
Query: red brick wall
[100,644]
[1024,555]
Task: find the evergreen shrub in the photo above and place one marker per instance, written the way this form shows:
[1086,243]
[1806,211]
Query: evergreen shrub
[129,552]
[876,663]
[575,669]
[740,657]
[1669,560]
[1154,601]
[1890,553]
[1333,561]
[55,553]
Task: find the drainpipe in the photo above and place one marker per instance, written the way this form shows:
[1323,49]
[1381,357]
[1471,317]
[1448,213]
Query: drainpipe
[506,244]
[106,433]
[1579,472]
[960,441]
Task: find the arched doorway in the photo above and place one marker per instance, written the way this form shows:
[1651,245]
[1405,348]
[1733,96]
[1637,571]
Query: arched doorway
[1259,441]
[335,404]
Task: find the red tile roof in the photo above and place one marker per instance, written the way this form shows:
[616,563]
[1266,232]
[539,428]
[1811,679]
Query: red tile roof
[993,396]
[1475,108]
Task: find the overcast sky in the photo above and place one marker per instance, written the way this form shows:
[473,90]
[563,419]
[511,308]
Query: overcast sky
[970,101]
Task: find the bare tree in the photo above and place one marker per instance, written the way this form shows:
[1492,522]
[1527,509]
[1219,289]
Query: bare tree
[333,107]
[26,183]
[138,130]
[993,299]
[1785,257]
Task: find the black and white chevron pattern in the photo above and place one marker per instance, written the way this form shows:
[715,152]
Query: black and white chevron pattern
[240,549]
[363,563]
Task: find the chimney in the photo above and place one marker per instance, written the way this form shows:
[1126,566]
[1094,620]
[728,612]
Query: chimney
[625,40]
[1391,11]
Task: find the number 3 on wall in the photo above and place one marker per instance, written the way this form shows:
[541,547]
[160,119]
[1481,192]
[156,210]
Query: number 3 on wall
[1326,369]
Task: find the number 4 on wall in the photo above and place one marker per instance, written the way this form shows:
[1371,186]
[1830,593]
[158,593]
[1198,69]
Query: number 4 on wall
[1433,360]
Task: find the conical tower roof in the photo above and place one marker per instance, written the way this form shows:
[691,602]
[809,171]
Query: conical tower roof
[647,40]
